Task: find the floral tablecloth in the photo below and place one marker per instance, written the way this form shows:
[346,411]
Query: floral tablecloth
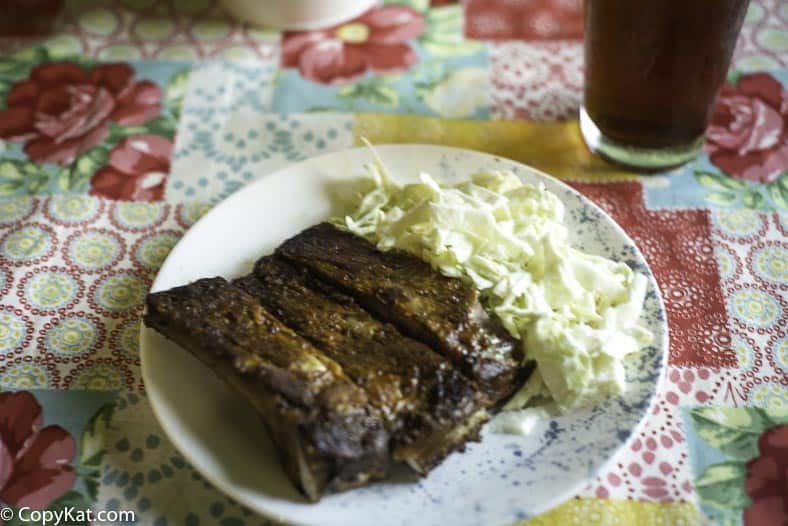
[130,121]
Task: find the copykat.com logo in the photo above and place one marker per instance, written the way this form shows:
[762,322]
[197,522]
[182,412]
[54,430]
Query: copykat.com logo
[65,516]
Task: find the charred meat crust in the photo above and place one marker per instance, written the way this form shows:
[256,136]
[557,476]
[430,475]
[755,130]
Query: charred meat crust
[328,435]
[442,312]
[421,395]
[351,356]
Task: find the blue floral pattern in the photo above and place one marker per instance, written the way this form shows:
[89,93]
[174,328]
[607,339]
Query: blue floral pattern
[235,148]
[72,336]
[141,470]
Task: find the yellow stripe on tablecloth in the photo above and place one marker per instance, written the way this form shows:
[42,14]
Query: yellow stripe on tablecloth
[553,147]
[594,512]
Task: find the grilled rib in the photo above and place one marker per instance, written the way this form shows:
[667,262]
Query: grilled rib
[430,408]
[442,312]
[327,434]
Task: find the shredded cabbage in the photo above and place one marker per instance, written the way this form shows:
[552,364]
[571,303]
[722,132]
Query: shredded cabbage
[576,313]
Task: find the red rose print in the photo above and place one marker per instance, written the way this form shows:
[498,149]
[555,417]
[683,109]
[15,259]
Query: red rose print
[767,480]
[137,170]
[764,474]
[376,40]
[62,110]
[766,512]
[748,134]
[34,462]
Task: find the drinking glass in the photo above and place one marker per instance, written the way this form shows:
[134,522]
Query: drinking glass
[652,71]
[28,18]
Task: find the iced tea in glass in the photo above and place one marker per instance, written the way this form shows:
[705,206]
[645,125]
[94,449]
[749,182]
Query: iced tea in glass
[652,71]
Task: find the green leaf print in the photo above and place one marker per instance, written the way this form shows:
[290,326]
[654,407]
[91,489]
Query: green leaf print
[5,87]
[117,133]
[722,486]
[37,183]
[95,459]
[175,91]
[24,177]
[383,96]
[30,55]
[92,441]
[350,91]
[13,70]
[9,188]
[443,35]
[726,190]
[721,198]
[320,109]
[161,125]
[734,431]
[84,169]
[7,66]
[753,199]
[92,487]
[778,191]
[11,171]
[374,90]
[17,66]
[63,179]
[777,415]
[782,182]
[418,5]
[76,177]
[718,181]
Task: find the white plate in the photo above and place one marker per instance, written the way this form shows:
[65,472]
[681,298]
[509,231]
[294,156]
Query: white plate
[498,481]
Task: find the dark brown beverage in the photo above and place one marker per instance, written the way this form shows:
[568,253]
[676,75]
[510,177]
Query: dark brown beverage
[653,67]
[27,18]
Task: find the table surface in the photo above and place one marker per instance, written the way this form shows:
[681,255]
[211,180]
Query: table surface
[118,134]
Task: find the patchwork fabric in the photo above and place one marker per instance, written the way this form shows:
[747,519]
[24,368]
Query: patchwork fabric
[121,130]
[113,133]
